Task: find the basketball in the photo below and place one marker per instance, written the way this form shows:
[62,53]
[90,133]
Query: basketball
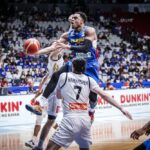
[31,46]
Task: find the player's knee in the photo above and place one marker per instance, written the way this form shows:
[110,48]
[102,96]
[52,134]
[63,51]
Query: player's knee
[39,120]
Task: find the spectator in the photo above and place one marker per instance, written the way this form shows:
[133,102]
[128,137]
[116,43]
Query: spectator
[4,86]
[31,85]
[109,86]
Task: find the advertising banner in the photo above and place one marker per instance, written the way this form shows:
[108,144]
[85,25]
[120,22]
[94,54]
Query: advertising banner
[136,101]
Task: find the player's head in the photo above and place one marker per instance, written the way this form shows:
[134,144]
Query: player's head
[79,65]
[78,19]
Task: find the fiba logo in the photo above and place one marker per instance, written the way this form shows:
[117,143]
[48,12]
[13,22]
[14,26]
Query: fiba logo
[10,106]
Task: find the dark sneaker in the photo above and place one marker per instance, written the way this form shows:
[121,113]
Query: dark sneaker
[34,109]
[30,144]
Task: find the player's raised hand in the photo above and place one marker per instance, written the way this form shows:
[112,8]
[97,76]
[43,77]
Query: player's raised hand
[126,113]
[137,133]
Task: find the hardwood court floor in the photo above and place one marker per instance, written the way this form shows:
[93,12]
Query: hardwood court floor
[107,135]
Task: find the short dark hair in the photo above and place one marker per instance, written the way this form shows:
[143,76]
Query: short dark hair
[83,15]
[79,65]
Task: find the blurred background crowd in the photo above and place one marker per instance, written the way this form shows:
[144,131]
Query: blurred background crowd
[123,34]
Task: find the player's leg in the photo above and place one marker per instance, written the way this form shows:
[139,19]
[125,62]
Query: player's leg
[53,109]
[53,82]
[49,89]
[92,71]
[52,146]
[63,136]
[54,79]
[83,137]
[45,130]
[31,143]
[93,103]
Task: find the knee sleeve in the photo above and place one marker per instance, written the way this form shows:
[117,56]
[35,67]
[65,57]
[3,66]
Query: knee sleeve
[39,119]
[51,85]
[93,99]
[51,117]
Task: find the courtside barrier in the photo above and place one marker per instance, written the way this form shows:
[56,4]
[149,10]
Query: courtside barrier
[136,101]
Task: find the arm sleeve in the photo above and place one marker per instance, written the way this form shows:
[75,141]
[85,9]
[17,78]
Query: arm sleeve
[82,48]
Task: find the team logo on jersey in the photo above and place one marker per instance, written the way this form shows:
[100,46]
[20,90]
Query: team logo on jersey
[78,106]
[56,67]
[77,41]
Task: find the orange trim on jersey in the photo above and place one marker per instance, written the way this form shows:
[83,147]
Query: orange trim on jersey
[78,106]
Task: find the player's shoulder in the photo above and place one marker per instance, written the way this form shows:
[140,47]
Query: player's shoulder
[89,29]
[92,80]
[65,35]
[63,75]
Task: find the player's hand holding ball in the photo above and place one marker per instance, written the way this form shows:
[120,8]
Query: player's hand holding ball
[31,46]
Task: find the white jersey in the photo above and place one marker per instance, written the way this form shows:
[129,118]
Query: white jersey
[54,104]
[75,91]
[54,64]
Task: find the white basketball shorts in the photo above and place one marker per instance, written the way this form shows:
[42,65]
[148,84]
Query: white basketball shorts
[73,128]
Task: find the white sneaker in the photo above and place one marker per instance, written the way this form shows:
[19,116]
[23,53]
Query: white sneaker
[30,144]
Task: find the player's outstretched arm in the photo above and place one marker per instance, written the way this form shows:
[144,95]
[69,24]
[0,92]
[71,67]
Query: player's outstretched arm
[54,46]
[139,132]
[46,50]
[110,100]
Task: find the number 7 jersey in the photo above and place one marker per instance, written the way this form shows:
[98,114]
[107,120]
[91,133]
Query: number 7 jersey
[75,89]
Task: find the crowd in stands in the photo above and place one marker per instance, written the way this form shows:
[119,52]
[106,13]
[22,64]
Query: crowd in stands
[123,52]
[78,1]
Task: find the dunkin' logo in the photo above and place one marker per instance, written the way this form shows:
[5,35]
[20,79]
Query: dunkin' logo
[10,106]
[134,98]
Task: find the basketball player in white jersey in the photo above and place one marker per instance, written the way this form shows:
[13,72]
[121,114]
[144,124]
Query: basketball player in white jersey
[55,61]
[75,87]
